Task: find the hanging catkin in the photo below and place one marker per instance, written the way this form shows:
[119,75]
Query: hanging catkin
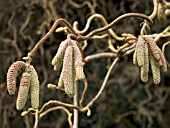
[155,71]
[12,74]
[140,51]
[78,62]
[23,91]
[153,47]
[58,58]
[60,81]
[34,87]
[134,58]
[68,76]
[163,60]
[145,67]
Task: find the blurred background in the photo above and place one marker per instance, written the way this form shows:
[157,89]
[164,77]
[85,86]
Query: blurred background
[126,101]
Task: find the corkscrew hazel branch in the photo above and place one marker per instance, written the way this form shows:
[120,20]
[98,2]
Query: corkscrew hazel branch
[89,20]
[102,29]
[152,16]
[56,102]
[162,34]
[83,93]
[57,108]
[99,55]
[163,51]
[36,119]
[102,87]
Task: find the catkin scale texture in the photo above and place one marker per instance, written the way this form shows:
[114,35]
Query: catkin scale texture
[153,47]
[164,64]
[145,67]
[12,74]
[34,87]
[68,75]
[60,81]
[23,91]
[134,58]
[78,63]
[140,51]
[155,71]
[58,58]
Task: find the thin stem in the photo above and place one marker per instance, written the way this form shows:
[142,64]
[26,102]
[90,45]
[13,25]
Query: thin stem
[152,16]
[113,23]
[103,85]
[84,92]
[99,16]
[157,38]
[75,102]
[99,55]
[56,108]
[59,103]
[154,13]
[36,119]
[163,51]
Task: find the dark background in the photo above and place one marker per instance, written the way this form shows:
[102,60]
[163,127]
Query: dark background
[126,101]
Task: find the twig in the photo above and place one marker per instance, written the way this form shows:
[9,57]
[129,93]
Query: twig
[56,108]
[99,55]
[58,103]
[75,102]
[36,119]
[99,16]
[102,87]
[102,29]
[152,16]
[163,51]
[84,92]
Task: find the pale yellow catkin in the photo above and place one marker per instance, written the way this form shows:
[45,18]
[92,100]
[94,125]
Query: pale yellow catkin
[153,47]
[140,51]
[34,87]
[163,67]
[78,62]
[23,91]
[134,58]
[68,75]
[58,58]
[145,67]
[12,75]
[60,81]
[155,71]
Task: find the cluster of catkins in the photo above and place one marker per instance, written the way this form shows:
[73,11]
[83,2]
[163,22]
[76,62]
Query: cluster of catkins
[69,54]
[29,81]
[147,51]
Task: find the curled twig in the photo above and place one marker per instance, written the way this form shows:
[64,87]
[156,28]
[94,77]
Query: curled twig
[56,108]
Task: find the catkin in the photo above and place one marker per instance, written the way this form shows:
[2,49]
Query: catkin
[134,58]
[68,76]
[58,58]
[12,74]
[145,67]
[60,81]
[153,47]
[23,91]
[163,60]
[78,63]
[155,71]
[140,51]
[34,87]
